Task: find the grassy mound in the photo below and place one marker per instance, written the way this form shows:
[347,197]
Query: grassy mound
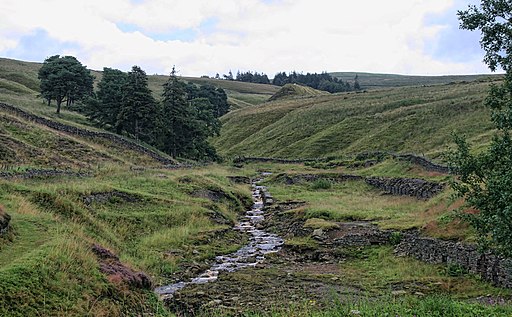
[290,91]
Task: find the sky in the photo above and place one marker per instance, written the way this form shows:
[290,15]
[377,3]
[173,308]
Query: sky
[205,37]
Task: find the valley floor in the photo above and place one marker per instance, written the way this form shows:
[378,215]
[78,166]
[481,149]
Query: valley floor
[97,245]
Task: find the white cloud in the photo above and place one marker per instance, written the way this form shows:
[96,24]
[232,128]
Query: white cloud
[303,35]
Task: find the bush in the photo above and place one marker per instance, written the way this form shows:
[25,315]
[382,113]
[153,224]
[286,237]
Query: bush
[321,184]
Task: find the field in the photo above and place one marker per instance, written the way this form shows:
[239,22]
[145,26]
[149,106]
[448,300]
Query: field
[95,224]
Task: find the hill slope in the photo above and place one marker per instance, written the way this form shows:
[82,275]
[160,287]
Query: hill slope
[417,119]
[373,80]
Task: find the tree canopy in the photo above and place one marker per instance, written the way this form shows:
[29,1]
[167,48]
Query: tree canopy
[322,81]
[64,79]
[485,179]
[180,124]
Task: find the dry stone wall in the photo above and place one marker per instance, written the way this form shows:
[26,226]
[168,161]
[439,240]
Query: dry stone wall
[87,133]
[490,266]
[423,162]
[40,173]
[414,187]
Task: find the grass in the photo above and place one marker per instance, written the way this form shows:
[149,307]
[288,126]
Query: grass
[48,267]
[376,81]
[407,119]
[408,306]
[46,263]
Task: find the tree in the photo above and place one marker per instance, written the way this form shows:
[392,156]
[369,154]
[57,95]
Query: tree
[356,83]
[139,109]
[187,123]
[64,79]
[485,179]
[107,105]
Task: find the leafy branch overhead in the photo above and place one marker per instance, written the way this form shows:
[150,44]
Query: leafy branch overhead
[486,178]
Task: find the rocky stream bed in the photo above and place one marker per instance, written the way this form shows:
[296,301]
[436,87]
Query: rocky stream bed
[269,273]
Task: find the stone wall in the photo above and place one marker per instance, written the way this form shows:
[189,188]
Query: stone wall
[491,267]
[124,142]
[414,187]
[363,159]
[40,173]
[423,162]
[246,159]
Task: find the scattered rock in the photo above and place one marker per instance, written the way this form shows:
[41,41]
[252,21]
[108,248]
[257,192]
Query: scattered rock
[398,293]
[318,234]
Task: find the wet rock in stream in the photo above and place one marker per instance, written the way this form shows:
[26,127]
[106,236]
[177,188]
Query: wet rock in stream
[260,244]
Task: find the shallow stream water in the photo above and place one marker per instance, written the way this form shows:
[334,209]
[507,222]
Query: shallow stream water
[260,244]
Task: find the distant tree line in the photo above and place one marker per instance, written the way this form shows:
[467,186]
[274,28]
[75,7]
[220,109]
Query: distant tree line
[322,81]
[249,77]
[179,124]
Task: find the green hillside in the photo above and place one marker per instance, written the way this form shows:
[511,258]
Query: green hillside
[91,223]
[407,119]
[373,80]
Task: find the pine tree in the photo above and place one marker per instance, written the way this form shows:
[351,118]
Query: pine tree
[139,111]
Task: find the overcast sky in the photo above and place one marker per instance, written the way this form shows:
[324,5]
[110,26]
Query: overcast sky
[204,37]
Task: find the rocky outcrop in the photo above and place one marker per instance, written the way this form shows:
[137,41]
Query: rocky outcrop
[414,187]
[117,271]
[124,142]
[491,267]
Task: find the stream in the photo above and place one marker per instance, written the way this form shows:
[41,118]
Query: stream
[260,244]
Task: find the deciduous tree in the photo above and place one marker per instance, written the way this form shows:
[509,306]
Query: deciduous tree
[64,79]
[486,179]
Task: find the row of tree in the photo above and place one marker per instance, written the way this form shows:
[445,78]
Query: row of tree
[322,81]
[179,124]
[249,77]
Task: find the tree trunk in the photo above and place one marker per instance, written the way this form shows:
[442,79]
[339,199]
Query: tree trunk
[59,101]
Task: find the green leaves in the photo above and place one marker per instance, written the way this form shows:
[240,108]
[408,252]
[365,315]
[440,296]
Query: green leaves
[486,178]
[64,79]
